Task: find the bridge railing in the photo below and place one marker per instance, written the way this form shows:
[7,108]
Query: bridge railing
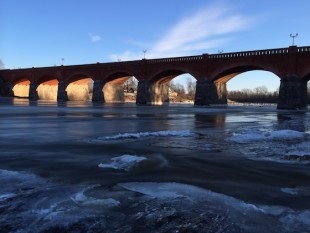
[303,49]
[249,53]
[175,59]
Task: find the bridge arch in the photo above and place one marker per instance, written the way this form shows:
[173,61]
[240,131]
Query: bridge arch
[234,73]
[254,86]
[306,75]
[160,89]
[20,86]
[114,86]
[47,87]
[79,86]
[224,75]
[306,83]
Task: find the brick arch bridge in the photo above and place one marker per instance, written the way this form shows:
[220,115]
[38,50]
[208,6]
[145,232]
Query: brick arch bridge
[212,72]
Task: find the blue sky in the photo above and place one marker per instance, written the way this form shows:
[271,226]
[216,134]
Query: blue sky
[41,33]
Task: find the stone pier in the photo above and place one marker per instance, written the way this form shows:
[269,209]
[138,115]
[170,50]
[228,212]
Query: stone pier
[6,88]
[33,94]
[210,93]
[97,92]
[62,93]
[292,93]
[143,93]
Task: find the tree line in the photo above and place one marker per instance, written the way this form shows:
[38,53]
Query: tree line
[256,95]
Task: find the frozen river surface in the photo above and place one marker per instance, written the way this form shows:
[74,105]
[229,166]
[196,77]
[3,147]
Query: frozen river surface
[79,167]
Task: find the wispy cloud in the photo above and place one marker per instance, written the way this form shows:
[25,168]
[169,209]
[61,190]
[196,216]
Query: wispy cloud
[94,38]
[206,29]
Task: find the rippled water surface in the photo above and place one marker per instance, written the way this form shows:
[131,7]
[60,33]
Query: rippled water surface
[83,167]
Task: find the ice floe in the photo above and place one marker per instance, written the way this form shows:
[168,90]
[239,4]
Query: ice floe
[81,200]
[254,135]
[246,215]
[176,133]
[124,162]
[285,134]
[279,145]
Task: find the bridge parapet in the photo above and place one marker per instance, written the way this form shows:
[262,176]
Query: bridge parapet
[303,49]
[175,59]
[249,53]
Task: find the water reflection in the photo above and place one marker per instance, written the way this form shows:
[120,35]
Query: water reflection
[210,120]
[20,101]
[298,121]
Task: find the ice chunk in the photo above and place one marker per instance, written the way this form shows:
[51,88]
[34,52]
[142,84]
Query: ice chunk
[124,162]
[247,137]
[177,133]
[292,191]
[256,135]
[80,199]
[286,134]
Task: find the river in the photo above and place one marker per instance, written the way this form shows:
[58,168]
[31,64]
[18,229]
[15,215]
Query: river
[84,167]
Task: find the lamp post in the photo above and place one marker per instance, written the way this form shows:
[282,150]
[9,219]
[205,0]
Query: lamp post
[144,51]
[62,61]
[293,36]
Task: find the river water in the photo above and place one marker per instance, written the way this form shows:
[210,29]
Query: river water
[82,167]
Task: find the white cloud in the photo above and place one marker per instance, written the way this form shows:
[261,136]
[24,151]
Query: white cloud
[208,28]
[94,38]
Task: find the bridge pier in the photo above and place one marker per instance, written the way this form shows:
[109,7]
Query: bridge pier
[33,93]
[209,93]
[6,89]
[292,93]
[143,93]
[62,93]
[97,92]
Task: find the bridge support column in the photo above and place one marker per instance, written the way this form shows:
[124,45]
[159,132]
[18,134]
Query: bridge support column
[6,89]
[143,93]
[97,92]
[62,93]
[292,93]
[206,92]
[33,93]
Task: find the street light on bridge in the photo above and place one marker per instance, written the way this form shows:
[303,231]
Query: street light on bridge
[293,36]
[144,51]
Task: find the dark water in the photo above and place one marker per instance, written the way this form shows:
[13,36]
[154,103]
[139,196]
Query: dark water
[79,167]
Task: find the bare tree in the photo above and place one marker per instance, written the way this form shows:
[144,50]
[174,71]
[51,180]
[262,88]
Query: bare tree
[257,95]
[261,90]
[191,88]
